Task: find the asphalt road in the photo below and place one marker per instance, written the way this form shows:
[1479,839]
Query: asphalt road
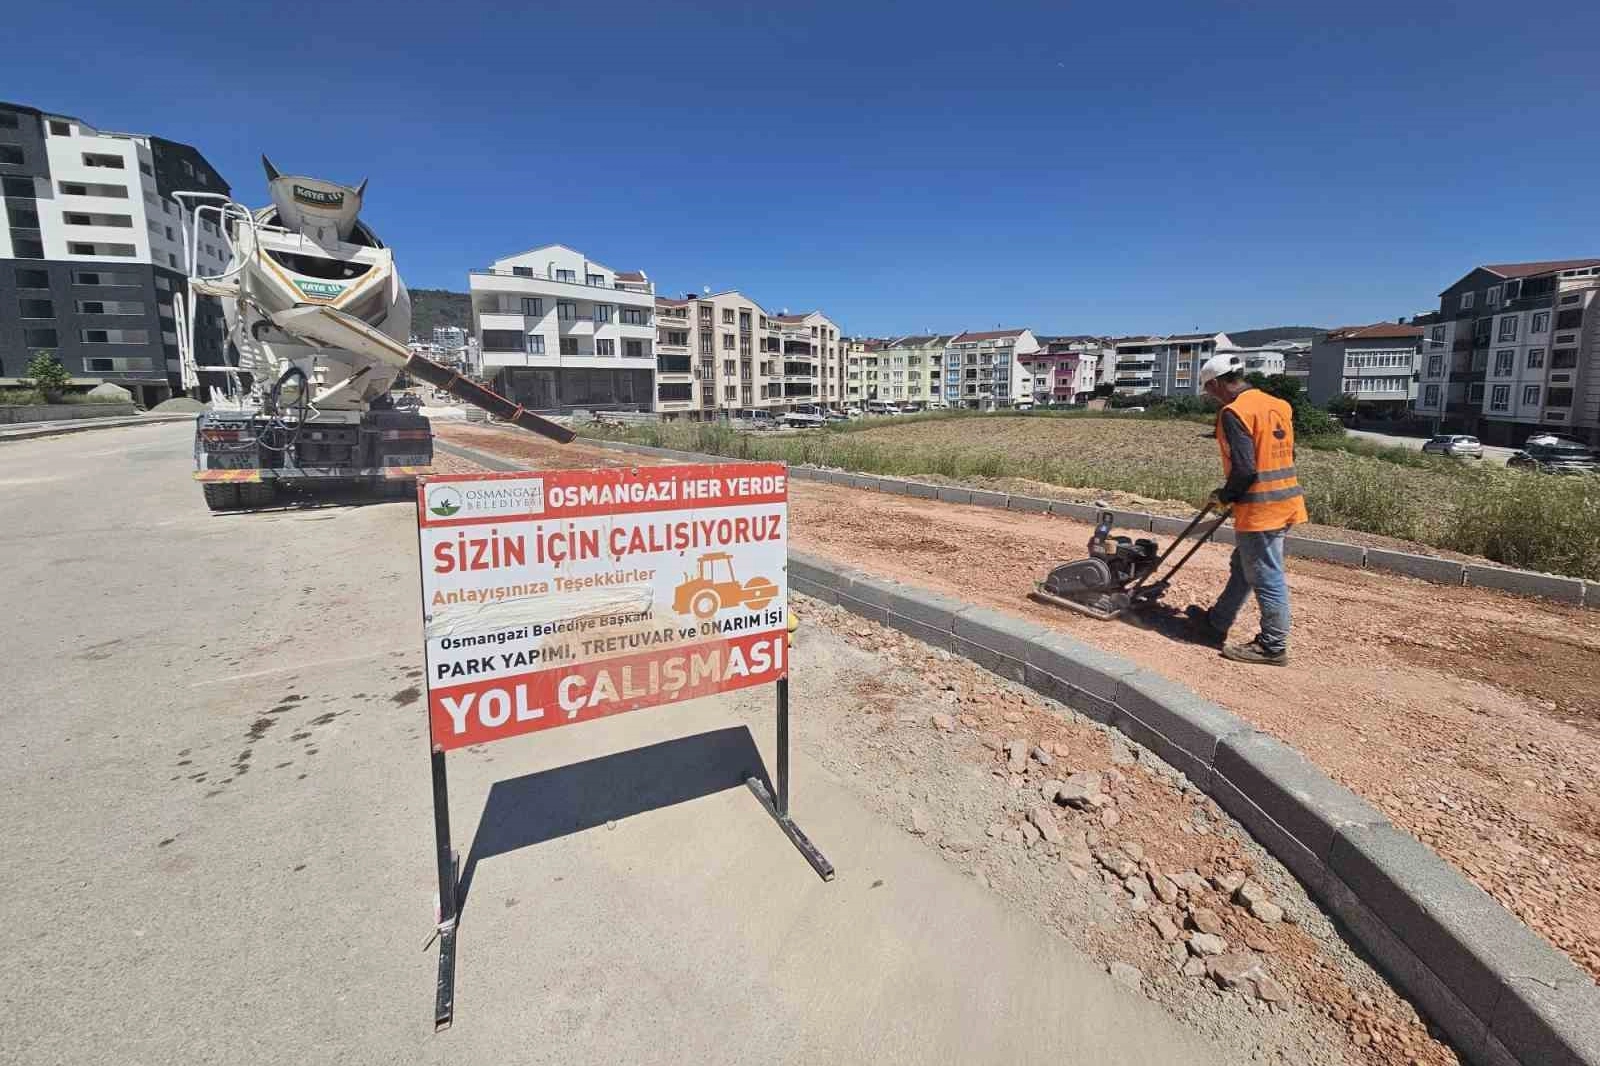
[215,783]
[1491,453]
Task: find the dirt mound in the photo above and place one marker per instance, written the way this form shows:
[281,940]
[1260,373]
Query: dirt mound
[178,405]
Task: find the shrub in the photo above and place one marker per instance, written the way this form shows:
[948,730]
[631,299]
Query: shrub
[46,374]
[1529,520]
[1362,494]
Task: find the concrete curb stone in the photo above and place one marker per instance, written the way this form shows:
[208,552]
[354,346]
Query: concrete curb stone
[985,498]
[1173,722]
[1526,582]
[1031,504]
[1082,512]
[1327,550]
[951,494]
[922,490]
[1427,567]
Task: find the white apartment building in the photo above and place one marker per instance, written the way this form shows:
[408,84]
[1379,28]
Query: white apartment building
[1514,350]
[559,332]
[1375,365]
[984,370]
[1265,359]
[723,356]
[911,370]
[92,252]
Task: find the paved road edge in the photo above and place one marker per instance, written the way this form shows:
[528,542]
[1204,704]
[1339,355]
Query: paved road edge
[30,431]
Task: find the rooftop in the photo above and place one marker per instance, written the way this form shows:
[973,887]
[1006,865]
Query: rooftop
[991,335]
[1546,266]
[1377,329]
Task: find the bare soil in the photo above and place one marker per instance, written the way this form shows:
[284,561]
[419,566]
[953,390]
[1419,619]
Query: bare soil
[1470,717]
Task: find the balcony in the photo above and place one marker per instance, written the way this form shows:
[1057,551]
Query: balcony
[545,279]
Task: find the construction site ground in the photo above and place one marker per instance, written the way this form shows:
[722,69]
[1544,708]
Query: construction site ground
[1470,717]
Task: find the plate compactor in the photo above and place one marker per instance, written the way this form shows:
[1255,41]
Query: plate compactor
[1119,573]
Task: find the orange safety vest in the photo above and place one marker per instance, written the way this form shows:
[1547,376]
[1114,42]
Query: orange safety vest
[1275,500]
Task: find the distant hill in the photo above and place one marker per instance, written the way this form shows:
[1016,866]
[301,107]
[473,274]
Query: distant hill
[439,307]
[1249,338]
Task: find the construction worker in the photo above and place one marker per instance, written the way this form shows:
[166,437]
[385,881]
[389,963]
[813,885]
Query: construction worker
[1256,434]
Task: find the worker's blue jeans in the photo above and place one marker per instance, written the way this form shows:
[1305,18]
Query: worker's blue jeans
[1257,563]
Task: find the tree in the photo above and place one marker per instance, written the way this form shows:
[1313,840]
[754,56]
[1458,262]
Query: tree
[1309,419]
[1105,388]
[46,374]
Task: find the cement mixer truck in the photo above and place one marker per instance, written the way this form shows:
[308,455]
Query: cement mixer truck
[317,327]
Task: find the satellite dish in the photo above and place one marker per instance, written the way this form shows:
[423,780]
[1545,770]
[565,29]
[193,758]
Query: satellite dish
[706,289]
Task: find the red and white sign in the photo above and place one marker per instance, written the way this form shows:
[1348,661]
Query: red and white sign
[555,597]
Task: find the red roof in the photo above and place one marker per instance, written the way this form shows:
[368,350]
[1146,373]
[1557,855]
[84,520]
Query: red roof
[630,275]
[994,334]
[1547,266]
[787,318]
[1377,329]
[666,301]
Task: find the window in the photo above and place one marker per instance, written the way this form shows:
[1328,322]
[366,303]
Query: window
[605,347]
[535,344]
[566,310]
[706,347]
[32,279]
[502,340]
[633,316]
[10,153]
[569,346]
[533,305]
[26,247]
[678,338]
[595,279]
[1559,398]
[39,338]
[104,277]
[1466,301]
[1504,361]
[1430,396]
[727,316]
[110,307]
[1436,335]
[602,312]
[1475,392]
[97,159]
[1500,398]
[1435,365]
[633,349]
[727,342]
[522,272]
[1563,358]
[17,187]
[38,308]
[115,336]
[1571,318]
[679,392]
[566,275]
[1492,296]
[8,120]
[1508,328]
[1541,322]
[1530,396]
[79,248]
[144,168]
[24,216]
[1535,358]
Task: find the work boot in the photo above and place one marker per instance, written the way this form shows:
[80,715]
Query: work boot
[1254,652]
[1200,621]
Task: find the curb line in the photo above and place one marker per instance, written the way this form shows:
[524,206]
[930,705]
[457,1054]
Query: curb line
[92,423]
[1501,992]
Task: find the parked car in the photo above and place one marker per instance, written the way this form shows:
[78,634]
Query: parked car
[1456,444]
[1554,455]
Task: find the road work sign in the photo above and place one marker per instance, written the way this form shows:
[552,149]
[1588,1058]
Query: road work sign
[555,597]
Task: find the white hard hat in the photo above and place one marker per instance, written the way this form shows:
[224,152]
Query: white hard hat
[1218,365]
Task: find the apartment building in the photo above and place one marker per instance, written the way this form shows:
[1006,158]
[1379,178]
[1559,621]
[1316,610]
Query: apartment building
[812,337]
[1268,359]
[93,259]
[1137,366]
[1065,369]
[1165,366]
[911,370]
[558,331]
[830,358]
[1514,350]
[1376,365]
[984,370]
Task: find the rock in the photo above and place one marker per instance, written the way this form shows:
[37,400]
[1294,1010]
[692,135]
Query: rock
[1125,975]
[1164,889]
[949,698]
[1100,800]
[992,742]
[1013,835]
[1110,818]
[944,723]
[1045,822]
[1179,954]
[1247,974]
[996,831]
[1030,834]
[1204,944]
[1049,789]
[1060,748]
[1120,754]
[1194,967]
[1080,789]
[919,822]
[1257,941]
[1017,756]
[1191,883]
[959,845]
[970,721]
[1205,920]
[1078,871]
[1165,925]
[1138,904]
[1013,717]
[1133,851]
[1042,757]
[1228,883]
[1119,864]
[1266,912]
[1136,886]
[1249,893]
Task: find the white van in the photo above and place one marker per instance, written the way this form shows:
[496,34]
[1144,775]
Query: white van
[878,407]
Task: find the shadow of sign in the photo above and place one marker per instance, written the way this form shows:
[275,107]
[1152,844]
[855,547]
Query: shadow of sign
[537,807]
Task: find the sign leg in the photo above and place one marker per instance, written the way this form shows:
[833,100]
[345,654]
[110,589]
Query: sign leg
[445,990]
[779,808]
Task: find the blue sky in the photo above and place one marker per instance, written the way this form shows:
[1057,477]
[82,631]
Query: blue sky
[1097,168]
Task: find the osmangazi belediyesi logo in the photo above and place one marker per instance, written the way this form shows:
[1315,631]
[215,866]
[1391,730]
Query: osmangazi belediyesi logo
[444,501]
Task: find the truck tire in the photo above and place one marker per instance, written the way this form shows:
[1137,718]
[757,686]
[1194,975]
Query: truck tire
[256,494]
[221,497]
